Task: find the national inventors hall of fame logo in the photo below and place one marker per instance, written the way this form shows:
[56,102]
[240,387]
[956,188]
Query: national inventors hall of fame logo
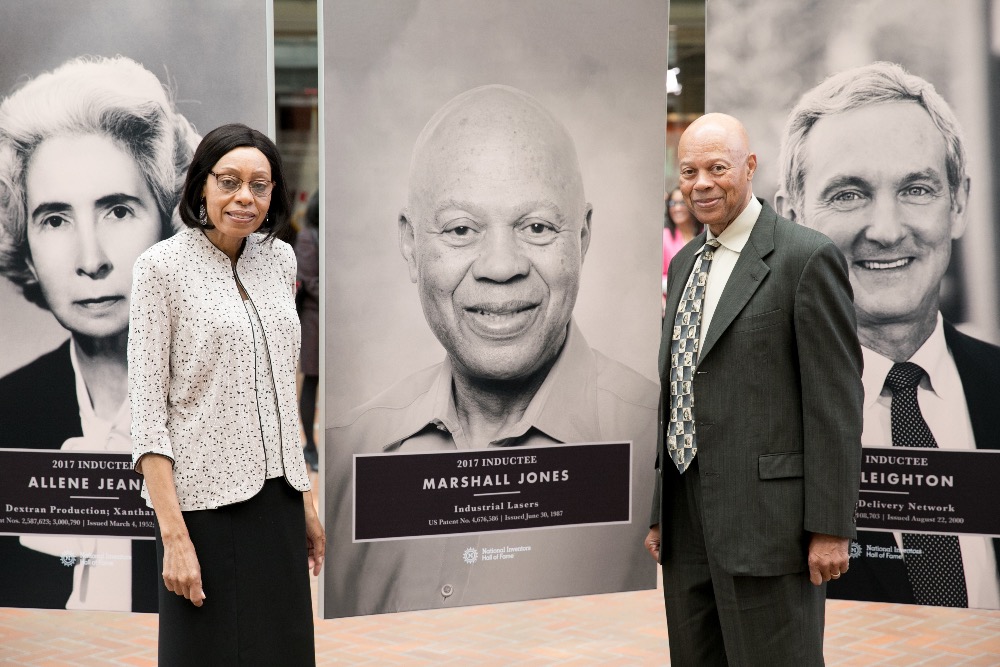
[881,552]
[471,555]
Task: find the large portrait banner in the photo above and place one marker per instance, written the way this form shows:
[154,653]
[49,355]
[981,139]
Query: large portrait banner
[493,214]
[871,124]
[102,104]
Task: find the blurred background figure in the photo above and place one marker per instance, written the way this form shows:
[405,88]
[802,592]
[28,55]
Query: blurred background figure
[307,301]
[679,227]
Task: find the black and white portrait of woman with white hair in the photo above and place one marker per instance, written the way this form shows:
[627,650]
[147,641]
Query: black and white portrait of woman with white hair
[93,156]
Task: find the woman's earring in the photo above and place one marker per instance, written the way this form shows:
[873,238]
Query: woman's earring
[203,215]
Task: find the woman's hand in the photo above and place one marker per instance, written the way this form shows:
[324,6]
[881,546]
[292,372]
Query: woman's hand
[315,535]
[181,570]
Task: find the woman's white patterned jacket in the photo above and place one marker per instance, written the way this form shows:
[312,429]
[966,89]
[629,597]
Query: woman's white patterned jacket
[191,372]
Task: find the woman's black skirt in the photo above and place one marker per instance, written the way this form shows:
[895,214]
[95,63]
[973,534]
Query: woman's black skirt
[254,570]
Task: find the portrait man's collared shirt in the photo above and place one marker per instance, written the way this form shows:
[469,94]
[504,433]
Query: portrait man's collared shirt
[732,240]
[586,397]
[942,403]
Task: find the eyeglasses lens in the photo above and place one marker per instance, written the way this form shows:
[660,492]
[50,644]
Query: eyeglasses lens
[230,184]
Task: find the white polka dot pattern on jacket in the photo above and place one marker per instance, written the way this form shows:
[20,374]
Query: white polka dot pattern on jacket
[191,365]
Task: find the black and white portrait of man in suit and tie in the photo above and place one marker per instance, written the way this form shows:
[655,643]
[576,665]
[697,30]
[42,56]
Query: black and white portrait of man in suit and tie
[102,105]
[871,118]
[493,179]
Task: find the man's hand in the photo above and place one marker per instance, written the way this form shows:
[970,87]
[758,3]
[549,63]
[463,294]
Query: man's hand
[828,557]
[652,542]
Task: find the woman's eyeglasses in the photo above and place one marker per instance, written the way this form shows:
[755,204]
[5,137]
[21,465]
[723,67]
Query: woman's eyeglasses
[230,184]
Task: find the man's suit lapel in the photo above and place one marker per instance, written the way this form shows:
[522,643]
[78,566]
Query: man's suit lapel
[747,275]
[978,373]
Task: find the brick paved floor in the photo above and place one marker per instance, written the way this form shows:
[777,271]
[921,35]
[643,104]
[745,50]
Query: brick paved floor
[620,629]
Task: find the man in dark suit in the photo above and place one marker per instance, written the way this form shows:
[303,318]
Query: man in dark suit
[874,158]
[760,372]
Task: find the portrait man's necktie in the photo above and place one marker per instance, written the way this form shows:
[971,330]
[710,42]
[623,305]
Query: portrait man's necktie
[933,562]
[685,343]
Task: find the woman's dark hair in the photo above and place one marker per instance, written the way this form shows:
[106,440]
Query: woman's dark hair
[212,148]
[668,220]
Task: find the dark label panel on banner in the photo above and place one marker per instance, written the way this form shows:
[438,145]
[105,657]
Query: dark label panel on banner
[447,493]
[929,490]
[71,493]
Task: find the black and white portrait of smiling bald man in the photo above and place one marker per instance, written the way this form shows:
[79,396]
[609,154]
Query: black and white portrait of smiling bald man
[874,158]
[494,233]
[493,207]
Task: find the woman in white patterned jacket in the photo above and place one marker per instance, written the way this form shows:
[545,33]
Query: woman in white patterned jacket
[212,356]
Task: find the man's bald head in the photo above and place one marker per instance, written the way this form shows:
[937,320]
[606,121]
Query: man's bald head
[716,169]
[495,231]
[722,124]
[497,133]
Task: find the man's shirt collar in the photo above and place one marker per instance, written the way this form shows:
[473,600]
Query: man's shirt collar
[735,236]
[932,356]
[564,408]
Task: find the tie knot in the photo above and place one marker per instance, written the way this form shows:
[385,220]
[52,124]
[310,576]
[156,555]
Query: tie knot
[904,376]
[712,244]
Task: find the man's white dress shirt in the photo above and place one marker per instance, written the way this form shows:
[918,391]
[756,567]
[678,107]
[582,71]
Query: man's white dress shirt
[731,242]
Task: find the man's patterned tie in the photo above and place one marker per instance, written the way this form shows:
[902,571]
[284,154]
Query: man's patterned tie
[685,343]
[933,562]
